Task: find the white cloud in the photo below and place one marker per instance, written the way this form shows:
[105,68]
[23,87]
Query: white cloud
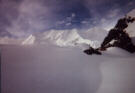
[73,15]
[107,24]
[32,17]
[84,22]
[67,21]
[68,24]
[60,22]
[95,2]
[130,3]
[113,13]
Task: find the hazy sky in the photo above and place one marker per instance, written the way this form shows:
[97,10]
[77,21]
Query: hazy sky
[21,17]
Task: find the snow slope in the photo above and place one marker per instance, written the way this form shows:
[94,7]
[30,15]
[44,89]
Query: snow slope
[131,28]
[51,69]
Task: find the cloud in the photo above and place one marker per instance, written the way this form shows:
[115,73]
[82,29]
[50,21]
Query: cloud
[113,13]
[27,16]
[109,19]
[67,21]
[68,24]
[95,2]
[8,12]
[73,15]
[32,17]
[131,3]
[23,17]
[84,22]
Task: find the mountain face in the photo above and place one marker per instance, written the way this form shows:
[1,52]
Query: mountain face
[65,38]
[62,38]
[30,40]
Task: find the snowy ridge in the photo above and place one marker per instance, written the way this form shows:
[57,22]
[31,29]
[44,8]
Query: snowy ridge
[64,38]
[29,40]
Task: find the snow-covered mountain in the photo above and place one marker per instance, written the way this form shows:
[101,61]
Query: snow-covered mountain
[28,41]
[61,38]
[64,38]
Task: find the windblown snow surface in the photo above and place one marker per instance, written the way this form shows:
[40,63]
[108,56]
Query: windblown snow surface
[48,68]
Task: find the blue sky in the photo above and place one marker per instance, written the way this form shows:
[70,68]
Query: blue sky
[20,17]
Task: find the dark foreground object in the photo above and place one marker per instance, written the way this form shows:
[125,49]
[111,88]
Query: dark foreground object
[120,36]
[91,51]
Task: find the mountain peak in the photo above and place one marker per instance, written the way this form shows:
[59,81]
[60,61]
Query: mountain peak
[28,41]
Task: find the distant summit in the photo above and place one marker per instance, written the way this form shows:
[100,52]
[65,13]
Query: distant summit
[67,38]
[30,40]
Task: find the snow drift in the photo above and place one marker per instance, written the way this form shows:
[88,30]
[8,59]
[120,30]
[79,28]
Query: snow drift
[51,69]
